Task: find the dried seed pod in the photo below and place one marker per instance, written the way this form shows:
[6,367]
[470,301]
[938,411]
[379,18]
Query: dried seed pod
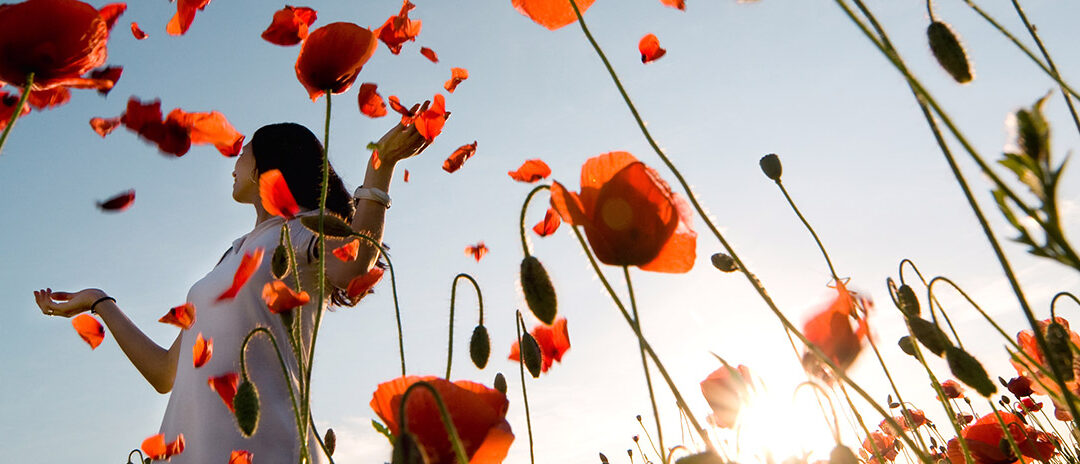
[724,262]
[539,293]
[968,369]
[770,165]
[929,335]
[909,303]
[333,226]
[531,355]
[246,404]
[330,441]
[480,346]
[279,264]
[500,383]
[1057,342]
[842,455]
[949,52]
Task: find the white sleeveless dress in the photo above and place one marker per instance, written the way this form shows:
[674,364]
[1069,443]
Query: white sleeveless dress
[209,428]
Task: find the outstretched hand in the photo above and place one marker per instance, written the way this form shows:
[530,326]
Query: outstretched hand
[64,303]
[402,142]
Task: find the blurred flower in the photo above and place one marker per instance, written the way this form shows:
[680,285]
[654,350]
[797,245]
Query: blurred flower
[332,56]
[476,251]
[985,436]
[888,447]
[1027,405]
[289,25]
[630,215]
[1020,386]
[554,341]
[156,448]
[952,389]
[552,14]
[1027,342]
[831,331]
[917,419]
[399,29]
[725,389]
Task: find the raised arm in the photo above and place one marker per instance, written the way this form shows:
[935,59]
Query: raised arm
[155,363]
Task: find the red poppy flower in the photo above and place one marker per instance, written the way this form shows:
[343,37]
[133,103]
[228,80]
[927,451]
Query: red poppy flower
[280,298]
[1026,340]
[88,327]
[137,32]
[649,46]
[887,447]
[119,202]
[1026,405]
[725,389]
[429,123]
[554,341]
[953,390]
[1020,386]
[371,103]
[44,99]
[240,457]
[8,101]
[985,436]
[551,14]
[57,40]
[347,252]
[456,76]
[289,26]
[917,419]
[429,54]
[399,29]
[476,251]
[477,412]
[103,126]
[531,171]
[156,449]
[185,15]
[276,197]
[225,386]
[182,316]
[549,225]
[830,330]
[202,351]
[332,56]
[458,157]
[630,215]
[680,4]
[363,284]
[248,264]
[106,78]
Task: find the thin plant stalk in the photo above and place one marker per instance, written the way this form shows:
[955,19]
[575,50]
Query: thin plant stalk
[300,424]
[518,324]
[524,208]
[453,298]
[1049,62]
[18,110]
[393,291]
[455,440]
[645,364]
[293,328]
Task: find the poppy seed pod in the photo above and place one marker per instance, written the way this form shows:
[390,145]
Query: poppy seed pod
[949,52]
[968,369]
[279,264]
[842,455]
[908,302]
[1057,342]
[500,383]
[770,165]
[333,226]
[330,441]
[724,262]
[407,451]
[246,404]
[539,293]
[929,335]
[531,355]
[480,347]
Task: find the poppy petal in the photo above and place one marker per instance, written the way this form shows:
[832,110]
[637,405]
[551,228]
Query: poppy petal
[154,446]
[174,447]
[430,122]
[347,252]
[276,197]
[225,386]
[362,284]
[568,205]
[458,157]
[210,127]
[43,99]
[280,298]
[496,445]
[680,4]
[456,76]
[429,54]
[103,79]
[137,32]
[406,175]
[182,316]
[88,327]
[185,15]
[240,457]
[554,341]
[371,103]
[598,171]
[649,46]
[332,56]
[111,12]
[396,105]
[248,264]
[531,171]
[202,351]
[119,202]
[476,251]
[289,26]
[552,14]
[549,225]
[376,163]
[104,126]
[399,29]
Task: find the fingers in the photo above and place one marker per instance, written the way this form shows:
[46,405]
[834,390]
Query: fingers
[45,301]
[61,296]
[414,108]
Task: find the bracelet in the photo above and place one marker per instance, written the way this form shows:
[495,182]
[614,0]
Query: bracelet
[99,300]
[373,194]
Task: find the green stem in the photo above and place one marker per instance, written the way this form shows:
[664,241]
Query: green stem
[1053,303]
[453,298]
[1049,62]
[141,457]
[325,450]
[932,302]
[455,440]
[645,364]
[18,110]
[294,319]
[817,240]
[524,208]
[518,324]
[288,383]
[393,290]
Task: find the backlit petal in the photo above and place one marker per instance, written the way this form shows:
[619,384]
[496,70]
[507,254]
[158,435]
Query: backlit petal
[549,224]
[88,327]
[458,157]
[248,264]
[531,171]
[276,197]
[347,252]
[371,103]
[182,316]
[457,75]
[552,14]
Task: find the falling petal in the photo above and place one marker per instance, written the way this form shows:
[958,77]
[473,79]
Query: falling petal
[430,122]
[649,46]
[289,26]
[137,32]
[225,386]
[119,202]
[371,103]
[182,316]
[347,252]
[456,76]
[361,285]
[476,251]
[399,29]
[280,298]
[202,351]
[531,171]
[549,225]
[429,54]
[276,197]
[104,126]
[88,327]
[458,157]
[248,264]
[185,15]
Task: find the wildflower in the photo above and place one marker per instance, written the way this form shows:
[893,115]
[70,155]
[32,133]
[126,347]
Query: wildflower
[831,331]
[1027,342]
[552,14]
[725,389]
[399,29]
[332,56]
[952,389]
[985,436]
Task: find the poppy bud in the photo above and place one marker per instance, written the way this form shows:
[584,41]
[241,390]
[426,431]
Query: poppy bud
[842,455]
[246,404]
[500,383]
[407,451]
[909,303]
[480,347]
[333,226]
[539,293]
[968,369]
[279,264]
[330,440]
[929,335]
[906,345]
[530,354]
[1020,387]
[770,165]
[147,461]
[949,52]
[603,459]
[1057,342]
[724,262]
[707,457]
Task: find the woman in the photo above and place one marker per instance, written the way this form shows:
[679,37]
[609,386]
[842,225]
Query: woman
[194,409]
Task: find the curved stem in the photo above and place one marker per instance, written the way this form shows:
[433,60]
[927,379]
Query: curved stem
[1049,62]
[141,457]
[453,298]
[524,207]
[645,363]
[18,110]
[817,240]
[930,10]
[1053,303]
[455,440]
[518,324]
[288,383]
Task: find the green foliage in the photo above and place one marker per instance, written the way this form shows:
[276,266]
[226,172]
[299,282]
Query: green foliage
[379,427]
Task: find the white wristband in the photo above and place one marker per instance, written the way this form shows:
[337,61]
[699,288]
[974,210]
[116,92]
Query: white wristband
[372,194]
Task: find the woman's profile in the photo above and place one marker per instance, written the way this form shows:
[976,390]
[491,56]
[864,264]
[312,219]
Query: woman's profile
[194,409]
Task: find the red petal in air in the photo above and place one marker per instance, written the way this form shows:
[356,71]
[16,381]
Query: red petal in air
[202,351]
[476,251]
[347,252]
[430,122]
[225,386]
[549,225]
[458,157]
[361,285]
[680,4]
[396,105]
[276,197]
[429,54]
[155,447]
[182,316]
[376,163]
[280,298]
[119,202]
[332,56]
[137,31]
[240,457]
[105,79]
[371,103]
[289,26]
[104,126]
[91,331]
[649,46]
[248,264]
[552,14]
[399,29]
[185,14]
[210,127]
[456,76]
[531,171]
[406,175]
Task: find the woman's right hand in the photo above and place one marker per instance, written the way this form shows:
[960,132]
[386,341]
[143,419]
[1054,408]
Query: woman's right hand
[66,304]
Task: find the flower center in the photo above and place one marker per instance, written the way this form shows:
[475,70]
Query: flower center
[616,213]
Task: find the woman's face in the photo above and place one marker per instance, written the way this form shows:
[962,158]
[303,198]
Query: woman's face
[245,179]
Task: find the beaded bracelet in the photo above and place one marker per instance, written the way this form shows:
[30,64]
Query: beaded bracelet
[99,300]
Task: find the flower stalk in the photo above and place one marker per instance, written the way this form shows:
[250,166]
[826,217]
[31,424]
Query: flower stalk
[18,110]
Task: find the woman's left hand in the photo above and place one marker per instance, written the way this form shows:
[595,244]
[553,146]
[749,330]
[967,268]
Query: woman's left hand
[402,142]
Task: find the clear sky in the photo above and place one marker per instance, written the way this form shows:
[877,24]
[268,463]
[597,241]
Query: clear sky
[738,81]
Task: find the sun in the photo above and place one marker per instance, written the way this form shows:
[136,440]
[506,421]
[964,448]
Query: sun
[780,425]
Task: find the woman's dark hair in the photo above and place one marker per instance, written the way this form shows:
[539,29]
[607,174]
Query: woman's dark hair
[292,149]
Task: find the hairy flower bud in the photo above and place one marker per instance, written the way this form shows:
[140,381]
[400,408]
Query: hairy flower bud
[949,52]
[480,347]
[968,369]
[500,383]
[279,264]
[539,293]
[330,441]
[908,302]
[246,404]
[531,355]
[724,262]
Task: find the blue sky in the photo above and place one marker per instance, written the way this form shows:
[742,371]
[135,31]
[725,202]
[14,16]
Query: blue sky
[738,81]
